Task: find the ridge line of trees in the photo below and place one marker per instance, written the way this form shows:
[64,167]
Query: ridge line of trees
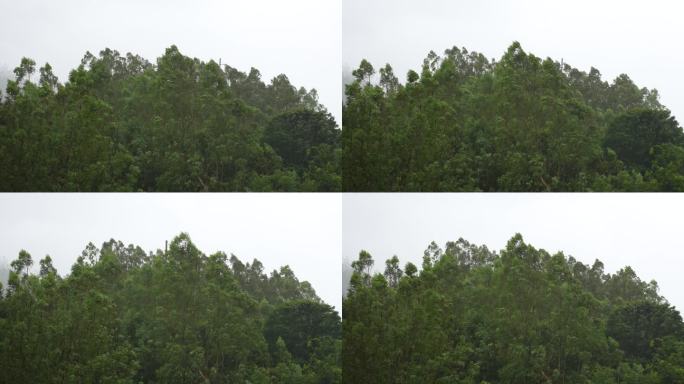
[121,123]
[471,315]
[467,123]
[175,316]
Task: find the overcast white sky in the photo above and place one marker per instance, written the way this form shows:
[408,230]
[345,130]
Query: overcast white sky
[300,38]
[640,230]
[300,230]
[640,38]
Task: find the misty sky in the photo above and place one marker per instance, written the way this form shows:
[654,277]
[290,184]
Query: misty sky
[301,230]
[300,38]
[635,37]
[640,230]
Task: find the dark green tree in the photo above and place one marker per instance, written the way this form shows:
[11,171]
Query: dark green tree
[634,134]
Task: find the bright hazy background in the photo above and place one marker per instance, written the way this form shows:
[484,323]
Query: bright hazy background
[300,230]
[639,38]
[643,231]
[300,38]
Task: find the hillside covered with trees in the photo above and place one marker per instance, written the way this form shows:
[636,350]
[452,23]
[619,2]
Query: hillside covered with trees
[521,316]
[467,123]
[121,123]
[175,316]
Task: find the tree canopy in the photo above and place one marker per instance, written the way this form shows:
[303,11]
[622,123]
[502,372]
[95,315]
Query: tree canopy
[518,316]
[121,123]
[176,316]
[468,123]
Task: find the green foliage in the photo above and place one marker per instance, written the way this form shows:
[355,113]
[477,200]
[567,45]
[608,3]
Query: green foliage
[466,123]
[300,326]
[634,134]
[518,316]
[122,123]
[177,316]
[637,325]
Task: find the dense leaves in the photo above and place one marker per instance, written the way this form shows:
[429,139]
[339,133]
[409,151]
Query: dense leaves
[123,124]
[176,316]
[466,123]
[520,316]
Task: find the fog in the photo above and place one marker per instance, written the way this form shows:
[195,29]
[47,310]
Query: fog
[300,38]
[639,230]
[634,37]
[301,230]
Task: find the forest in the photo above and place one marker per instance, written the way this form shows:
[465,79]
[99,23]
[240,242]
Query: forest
[518,316]
[121,123]
[468,123]
[174,316]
